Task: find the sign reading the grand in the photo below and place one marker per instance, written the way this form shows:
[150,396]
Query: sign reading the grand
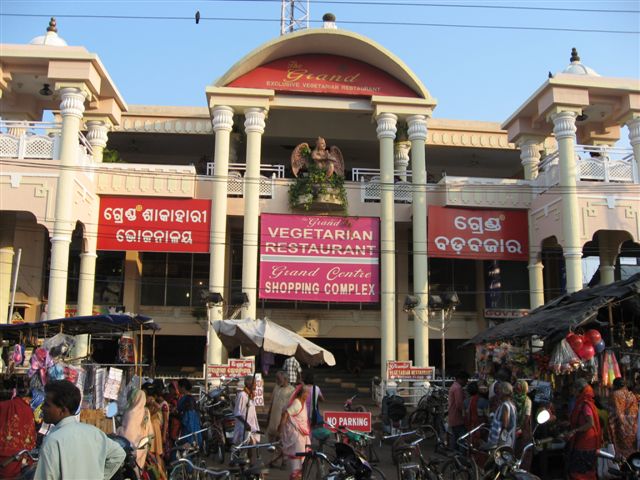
[154,224]
[478,234]
[320,259]
[324,74]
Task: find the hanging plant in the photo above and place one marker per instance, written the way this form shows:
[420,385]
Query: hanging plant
[315,188]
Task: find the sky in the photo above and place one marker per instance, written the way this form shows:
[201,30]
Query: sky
[474,73]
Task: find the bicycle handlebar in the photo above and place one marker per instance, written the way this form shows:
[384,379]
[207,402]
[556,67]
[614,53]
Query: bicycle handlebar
[215,473]
[400,435]
[18,455]
[256,445]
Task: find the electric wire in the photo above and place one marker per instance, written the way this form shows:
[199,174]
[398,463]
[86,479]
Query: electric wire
[345,21]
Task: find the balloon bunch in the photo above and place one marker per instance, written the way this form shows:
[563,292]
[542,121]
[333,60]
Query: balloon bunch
[588,345]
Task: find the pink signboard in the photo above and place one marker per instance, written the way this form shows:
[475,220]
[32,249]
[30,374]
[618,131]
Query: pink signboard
[154,224]
[318,258]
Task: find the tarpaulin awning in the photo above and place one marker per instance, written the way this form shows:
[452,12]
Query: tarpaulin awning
[92,324]
[557,317]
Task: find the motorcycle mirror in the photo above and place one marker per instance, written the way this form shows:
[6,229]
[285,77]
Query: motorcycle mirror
[112,409]
[543,416]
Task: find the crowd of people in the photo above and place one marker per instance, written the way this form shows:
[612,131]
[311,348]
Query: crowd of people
[580,419]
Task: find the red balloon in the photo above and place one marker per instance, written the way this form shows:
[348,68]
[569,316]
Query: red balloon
[587,352]
[576,342]
[593,336]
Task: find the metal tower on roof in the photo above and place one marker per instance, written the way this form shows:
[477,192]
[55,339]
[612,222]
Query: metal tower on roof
[294,15]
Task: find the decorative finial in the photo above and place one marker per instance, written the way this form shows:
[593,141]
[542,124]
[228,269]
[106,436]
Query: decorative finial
[574,55]
[52,26]
[328,17]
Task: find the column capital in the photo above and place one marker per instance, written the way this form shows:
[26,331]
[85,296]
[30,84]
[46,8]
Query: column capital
[417,127]
[564,123]
[97,132]
[386,125]
[254,120]
[222,118]
[529,155]
[634,129]
[72,101]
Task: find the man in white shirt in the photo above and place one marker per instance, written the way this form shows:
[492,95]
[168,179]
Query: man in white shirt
[73,450]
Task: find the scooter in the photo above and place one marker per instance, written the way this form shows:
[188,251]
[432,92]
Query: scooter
[129,470]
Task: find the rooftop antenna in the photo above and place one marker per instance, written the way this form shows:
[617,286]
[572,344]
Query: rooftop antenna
[294,15]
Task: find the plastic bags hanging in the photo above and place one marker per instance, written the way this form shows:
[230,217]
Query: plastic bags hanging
[610,369]
[563,359]
[59,344]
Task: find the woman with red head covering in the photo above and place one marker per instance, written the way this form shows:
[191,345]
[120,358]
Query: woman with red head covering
[585,434]
[18,430]
[294,430]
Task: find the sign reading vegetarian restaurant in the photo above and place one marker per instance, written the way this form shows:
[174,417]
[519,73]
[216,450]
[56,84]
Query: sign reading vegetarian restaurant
[154,224]
[477,234]
[318,258]
[325,74]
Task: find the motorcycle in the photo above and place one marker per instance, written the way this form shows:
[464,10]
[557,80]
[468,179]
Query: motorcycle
[218,408]
[130,470]
[627,469]
[350,407]
[393,412]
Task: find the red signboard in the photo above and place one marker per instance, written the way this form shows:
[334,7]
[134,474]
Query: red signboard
[315,258]
[402,369]
[478,234]
[324,74]
[154,224]
[357,421]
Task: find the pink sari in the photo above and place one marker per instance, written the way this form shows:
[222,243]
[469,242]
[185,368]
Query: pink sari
[295,435]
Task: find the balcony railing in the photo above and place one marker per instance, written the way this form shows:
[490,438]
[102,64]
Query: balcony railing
[370,187]
[22,140]
[593,164]
[236,183]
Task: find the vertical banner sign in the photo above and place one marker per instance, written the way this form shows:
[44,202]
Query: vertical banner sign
[314,258]
[478,234]
[154,224]
[258,396]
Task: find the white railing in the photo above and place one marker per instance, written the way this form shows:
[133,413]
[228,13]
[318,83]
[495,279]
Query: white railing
[236,181]
[30,140]
[593,163]
[371,188]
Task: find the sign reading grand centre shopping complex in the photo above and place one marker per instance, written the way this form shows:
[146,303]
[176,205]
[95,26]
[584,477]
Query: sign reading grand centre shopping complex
[318,258]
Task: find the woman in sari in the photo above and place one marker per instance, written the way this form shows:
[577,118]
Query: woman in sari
[155,465]
[585,434]
[523,425]
[623,418]
[136,424]
[476,413]
[18,429]
[294,431]
[189,418]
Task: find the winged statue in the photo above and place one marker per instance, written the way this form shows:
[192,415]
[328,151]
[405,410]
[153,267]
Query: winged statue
[328,159]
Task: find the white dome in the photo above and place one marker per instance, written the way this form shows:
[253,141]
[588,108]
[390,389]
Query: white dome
[577,68]
[50,38]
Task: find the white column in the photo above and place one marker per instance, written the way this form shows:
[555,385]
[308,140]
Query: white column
[401,159]
[536,279]
[7,231]
[71,110]
[529,157]
[386,131]
[97,137]
[222,124]
[418,135]
[254,127]
[564,128]
[609,248]
[634,140]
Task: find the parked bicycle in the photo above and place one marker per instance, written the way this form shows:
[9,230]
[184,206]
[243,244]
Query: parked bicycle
[184,469]
[217,413]
[347,465]
[411,463]
[240,465]
[431,410]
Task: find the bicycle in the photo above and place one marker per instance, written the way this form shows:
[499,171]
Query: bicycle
[27,470]
[411,464]
[184,469]
[431,410]
[241,467]
[362,442]
[348,465]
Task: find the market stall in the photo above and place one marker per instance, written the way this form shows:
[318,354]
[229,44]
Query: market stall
[41,352]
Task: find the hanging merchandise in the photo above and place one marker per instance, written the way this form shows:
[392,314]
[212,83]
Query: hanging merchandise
[40,363]
[18,355]
[586,352]
[575,341]
[56,372]
[59,345]
[610,369]
[126,349]
[600,346]
[593,336]
[563,359]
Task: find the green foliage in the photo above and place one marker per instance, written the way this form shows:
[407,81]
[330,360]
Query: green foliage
[111,156]
[315,183]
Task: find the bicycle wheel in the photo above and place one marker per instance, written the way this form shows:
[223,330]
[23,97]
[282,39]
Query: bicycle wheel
[459,469]
[312,468]
[376,474]
[418,418]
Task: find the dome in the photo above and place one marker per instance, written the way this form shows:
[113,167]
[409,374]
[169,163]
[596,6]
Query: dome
[50,38]
[577,68]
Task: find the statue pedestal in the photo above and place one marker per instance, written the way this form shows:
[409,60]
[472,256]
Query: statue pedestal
[324,202]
